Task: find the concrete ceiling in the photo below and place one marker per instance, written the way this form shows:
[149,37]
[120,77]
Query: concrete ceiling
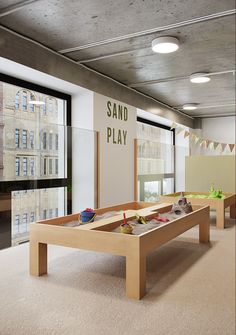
[114,38]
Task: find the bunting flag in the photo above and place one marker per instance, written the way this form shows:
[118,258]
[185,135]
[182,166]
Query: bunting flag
[204,143]
[173,126]
[231,146]
[192,136]
[207,143]
[223,146]
[186,133]
[179,130]
[211,146]
[197,139]
[215,145]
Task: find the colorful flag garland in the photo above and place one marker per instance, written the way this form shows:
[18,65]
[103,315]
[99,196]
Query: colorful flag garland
[204,143]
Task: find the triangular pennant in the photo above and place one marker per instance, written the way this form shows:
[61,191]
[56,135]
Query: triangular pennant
[231,146]
[202,142]
[207,143]
[192,136]
[186,133]
[215,145]
[211,146]
[223,146]
[173,126]
[179,130]
[197,139]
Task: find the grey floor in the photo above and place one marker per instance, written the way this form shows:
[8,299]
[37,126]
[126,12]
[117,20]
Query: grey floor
[190,290]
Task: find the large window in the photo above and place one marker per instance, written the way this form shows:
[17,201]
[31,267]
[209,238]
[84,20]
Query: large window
[29,134]
[156,160]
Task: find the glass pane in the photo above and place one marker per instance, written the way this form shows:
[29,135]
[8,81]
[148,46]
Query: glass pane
[84,169]
[155,167]
[154,134]
[29,206]
[168,185]
[37,133]
[152,190]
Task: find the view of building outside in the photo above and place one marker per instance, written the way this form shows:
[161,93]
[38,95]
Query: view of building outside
[31,136]
[32,205]
[155,162]
[32,146]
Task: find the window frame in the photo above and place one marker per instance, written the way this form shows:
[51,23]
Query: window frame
[7,187]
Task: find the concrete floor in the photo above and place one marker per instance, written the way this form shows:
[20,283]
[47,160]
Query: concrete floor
[190,290]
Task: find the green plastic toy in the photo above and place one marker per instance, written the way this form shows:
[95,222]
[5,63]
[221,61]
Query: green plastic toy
[215,194]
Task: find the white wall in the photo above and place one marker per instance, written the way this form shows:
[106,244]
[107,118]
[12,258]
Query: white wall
[181,151]
[83,152]
[83,169]
[116,155]
[222,130]
[82,110]
[90,110]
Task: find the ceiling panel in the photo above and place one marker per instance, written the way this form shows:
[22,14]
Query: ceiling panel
[6,3]
[216,111]
[62,24]
[204,47]
[220,90]
[208,46]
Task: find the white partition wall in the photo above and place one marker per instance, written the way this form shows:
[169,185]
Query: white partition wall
[116,123]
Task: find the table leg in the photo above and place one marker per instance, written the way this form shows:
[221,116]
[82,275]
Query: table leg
[135,276]
[38,258]
[204,230]
[220,217]
[233,211]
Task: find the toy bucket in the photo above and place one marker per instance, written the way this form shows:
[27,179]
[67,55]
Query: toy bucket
[87,216]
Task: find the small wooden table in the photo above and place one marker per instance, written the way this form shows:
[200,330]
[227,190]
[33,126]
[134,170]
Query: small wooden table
[218,204]
[99,236]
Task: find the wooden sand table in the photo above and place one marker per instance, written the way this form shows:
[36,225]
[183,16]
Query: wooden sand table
[100,236]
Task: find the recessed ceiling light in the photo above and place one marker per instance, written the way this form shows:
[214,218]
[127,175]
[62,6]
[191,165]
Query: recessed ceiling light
[190,107]
[199,78]
[165,44]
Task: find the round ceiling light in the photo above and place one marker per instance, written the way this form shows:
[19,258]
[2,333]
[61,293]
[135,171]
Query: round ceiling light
[199,78]
[190,107]
[165,44]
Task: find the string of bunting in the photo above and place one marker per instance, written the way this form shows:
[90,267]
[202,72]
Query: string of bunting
[204,143]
